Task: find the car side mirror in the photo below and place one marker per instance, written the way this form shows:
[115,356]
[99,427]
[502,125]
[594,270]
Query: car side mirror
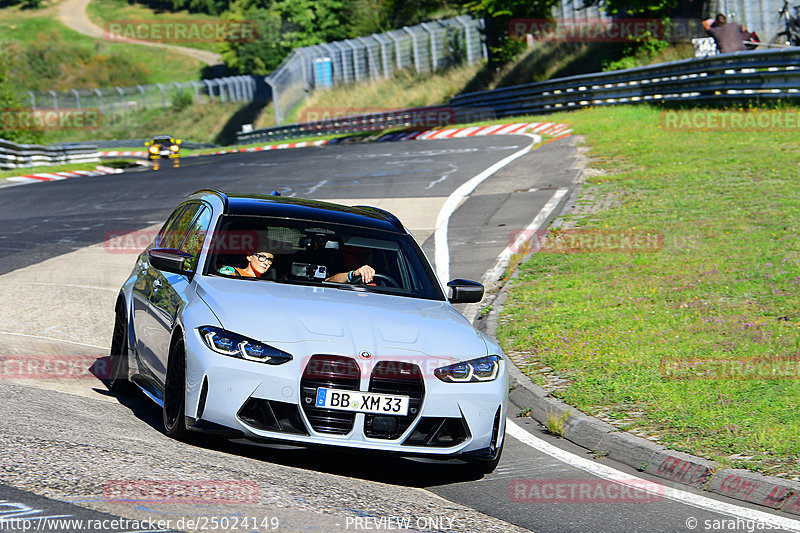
[169,260]
[464,291]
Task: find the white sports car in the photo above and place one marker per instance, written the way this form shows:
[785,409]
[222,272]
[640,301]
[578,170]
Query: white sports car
[281,319]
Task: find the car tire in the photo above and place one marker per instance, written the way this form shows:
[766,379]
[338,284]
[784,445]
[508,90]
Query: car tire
[118,357]
[174,410]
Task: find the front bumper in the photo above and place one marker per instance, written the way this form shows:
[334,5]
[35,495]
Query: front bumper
[163,154]
[261,401]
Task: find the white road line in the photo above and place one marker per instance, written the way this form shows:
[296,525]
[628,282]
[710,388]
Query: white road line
[314,189]
[677,495]
[23,282]
[441,247]
[54,340]
[494,273]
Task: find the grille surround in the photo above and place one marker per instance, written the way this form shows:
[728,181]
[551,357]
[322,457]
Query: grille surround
[396,378]
[334,371]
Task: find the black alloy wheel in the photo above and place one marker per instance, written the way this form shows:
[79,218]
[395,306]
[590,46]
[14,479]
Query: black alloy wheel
[175,394]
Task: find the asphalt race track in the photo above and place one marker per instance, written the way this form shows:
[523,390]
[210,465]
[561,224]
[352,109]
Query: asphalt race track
[64,444]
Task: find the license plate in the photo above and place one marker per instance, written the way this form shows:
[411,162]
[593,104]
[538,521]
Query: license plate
[362,402]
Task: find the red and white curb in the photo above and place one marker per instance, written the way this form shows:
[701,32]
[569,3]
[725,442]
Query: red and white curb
[282,146]
[128,153]
[56,176]
[551,129]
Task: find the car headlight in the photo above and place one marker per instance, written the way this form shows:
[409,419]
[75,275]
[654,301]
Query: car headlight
[154,149]
[233,345]
[483,369]
[174,147]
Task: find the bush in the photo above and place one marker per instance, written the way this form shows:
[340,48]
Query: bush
[181,100]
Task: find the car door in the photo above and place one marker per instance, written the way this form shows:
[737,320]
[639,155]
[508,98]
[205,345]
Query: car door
[143,289]
[169,293]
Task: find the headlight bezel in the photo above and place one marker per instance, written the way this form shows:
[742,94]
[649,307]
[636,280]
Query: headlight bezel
[238,345]
[471,371]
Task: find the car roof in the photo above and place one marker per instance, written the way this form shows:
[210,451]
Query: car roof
[161,137]
[304,209]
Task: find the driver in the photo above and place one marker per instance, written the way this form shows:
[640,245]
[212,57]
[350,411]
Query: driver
[366,272]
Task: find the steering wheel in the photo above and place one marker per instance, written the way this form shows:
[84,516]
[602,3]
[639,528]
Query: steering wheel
[386,280]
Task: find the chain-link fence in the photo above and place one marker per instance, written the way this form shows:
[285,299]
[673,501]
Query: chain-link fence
[117,102]
[423,48]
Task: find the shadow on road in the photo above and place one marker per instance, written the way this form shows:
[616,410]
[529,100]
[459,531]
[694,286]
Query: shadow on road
[363,464]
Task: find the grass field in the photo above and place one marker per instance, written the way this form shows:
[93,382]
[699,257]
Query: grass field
[695,341]
[31,27]
[103,12]
[212,123]
[407,89]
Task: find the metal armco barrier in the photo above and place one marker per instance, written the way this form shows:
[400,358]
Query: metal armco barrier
[725,78]
[139,143]
[14,155]
[739,77]
[413,118]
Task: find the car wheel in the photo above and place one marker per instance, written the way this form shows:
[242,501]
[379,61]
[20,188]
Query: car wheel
[118,358]
[175,394]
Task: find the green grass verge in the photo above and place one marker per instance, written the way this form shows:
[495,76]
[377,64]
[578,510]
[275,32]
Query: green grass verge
[212,123]
[722,288]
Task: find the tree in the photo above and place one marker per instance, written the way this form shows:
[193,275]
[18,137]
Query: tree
[498,14]
[649,8]
[282,26]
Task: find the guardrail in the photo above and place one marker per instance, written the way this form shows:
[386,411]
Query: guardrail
[417,118]
[724,78]
[139,143]
[14,155]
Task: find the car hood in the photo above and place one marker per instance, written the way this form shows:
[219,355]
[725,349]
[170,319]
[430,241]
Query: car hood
[331,320]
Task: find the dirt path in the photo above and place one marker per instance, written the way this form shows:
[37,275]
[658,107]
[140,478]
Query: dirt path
[73,14]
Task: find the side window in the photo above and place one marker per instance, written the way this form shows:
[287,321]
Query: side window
[196,236]
[178,232]
[167,227]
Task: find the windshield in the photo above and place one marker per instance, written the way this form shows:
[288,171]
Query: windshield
[314,253]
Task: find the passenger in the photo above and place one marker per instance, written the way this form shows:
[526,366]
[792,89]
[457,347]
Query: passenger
[258,263]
